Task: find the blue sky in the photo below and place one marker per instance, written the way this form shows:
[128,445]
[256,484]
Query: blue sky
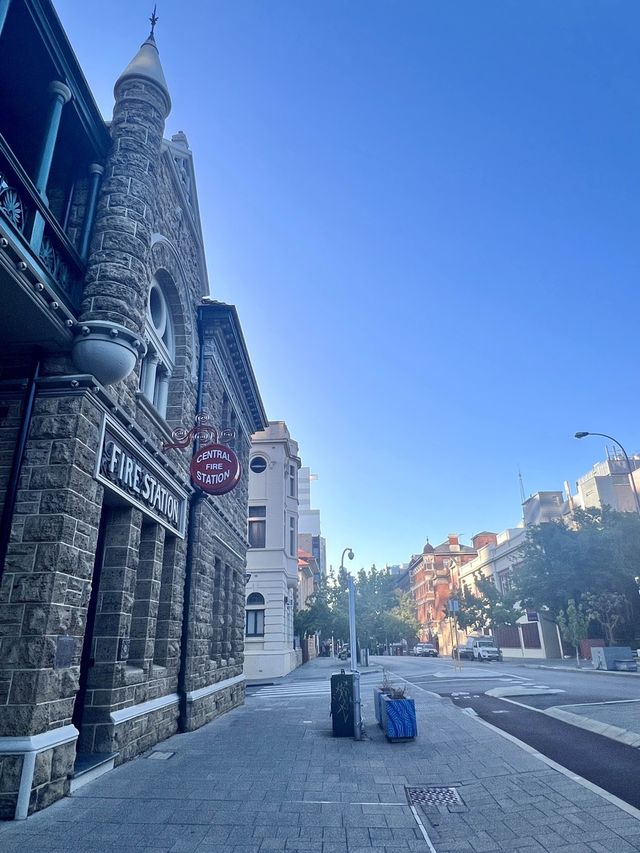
[427,214]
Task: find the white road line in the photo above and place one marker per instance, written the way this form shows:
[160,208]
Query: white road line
[421,826]
[611,798]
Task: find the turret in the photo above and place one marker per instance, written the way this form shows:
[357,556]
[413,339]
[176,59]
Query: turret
[114,302]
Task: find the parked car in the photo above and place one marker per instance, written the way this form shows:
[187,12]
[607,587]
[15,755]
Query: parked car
[462,653]
[426,650]
[483,649]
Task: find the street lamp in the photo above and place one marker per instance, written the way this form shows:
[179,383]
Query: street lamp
[624,452]
[357,714]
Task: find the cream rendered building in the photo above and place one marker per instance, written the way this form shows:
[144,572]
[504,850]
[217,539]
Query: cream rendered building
[272,558]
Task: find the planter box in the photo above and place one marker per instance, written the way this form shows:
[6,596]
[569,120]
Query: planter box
[398,718]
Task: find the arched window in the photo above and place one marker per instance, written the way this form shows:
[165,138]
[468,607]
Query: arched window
[159,362]
[255,615]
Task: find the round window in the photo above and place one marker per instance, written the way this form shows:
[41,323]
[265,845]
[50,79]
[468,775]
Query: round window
[258,464]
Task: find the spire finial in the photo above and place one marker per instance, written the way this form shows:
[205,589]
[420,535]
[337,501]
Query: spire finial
[154,20]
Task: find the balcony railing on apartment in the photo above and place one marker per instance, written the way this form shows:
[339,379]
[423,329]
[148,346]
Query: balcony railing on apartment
[36,232]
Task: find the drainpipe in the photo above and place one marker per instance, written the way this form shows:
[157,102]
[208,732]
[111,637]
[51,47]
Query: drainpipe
[194,501]
[16,465]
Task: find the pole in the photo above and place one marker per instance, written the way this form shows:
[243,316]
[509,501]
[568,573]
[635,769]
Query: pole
[357,718]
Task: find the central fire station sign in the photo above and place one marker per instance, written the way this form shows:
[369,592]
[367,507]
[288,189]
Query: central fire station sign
[215,469]
[125,469]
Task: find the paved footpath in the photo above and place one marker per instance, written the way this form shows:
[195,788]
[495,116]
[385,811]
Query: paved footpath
[270,777]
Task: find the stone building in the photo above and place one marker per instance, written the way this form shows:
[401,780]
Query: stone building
[272,558]
[122,586]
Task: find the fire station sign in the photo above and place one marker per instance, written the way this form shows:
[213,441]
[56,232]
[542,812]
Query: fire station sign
[215,469]
[126,469]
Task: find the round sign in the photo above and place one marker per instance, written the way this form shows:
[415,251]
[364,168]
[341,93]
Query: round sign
[215,469]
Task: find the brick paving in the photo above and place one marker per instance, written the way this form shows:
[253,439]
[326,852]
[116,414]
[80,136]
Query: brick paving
[270,777]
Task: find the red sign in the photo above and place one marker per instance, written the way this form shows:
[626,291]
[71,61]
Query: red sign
[215,469]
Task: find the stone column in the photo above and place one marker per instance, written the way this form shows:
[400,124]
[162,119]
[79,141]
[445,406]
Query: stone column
[169,622]
[147,596]
[109,675]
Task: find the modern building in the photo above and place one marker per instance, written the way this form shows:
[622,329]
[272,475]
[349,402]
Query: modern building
[608,483]
[310,533]
[272,558]
[122,584]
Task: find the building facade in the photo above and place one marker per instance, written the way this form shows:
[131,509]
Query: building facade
[272,558]
[122,586]
[434,576]
[310,533]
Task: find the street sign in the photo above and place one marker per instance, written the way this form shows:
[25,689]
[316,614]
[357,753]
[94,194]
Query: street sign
[453,605]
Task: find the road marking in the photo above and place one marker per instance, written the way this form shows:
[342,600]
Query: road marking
[608,702]
[422,829]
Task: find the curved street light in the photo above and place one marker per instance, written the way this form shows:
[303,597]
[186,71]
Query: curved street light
[350,553]
[624,452]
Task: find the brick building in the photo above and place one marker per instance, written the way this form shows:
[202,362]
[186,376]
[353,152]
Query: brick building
[434,576]
[123,589]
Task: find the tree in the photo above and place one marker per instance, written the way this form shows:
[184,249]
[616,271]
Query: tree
[609,609]
[487,607]
[596,549]
[574,624]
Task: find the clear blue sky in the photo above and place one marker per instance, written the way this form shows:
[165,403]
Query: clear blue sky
[427,214]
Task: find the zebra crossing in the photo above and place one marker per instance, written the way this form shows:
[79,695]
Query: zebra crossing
[293,689]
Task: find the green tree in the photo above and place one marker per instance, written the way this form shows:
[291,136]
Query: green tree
[609,608]
[574,625]
[487,607]
[596,550]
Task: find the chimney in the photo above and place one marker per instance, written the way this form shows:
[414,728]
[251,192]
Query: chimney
[454,540]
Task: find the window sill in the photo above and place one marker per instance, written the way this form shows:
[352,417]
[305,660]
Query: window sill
[255,638]
[150,410]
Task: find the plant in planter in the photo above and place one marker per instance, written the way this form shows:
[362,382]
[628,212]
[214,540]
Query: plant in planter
[397,712]
[385,689]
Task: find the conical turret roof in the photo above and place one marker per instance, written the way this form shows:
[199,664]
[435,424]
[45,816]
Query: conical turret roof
[146,65]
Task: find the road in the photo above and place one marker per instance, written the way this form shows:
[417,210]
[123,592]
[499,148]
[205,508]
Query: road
[611,765]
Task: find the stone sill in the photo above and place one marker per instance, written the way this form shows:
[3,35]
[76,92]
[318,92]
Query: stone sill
[133,674]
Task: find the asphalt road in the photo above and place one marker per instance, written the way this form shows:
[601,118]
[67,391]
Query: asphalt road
[440,676]
[610,765]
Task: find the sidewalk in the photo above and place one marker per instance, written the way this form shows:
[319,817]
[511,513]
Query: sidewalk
[270,777]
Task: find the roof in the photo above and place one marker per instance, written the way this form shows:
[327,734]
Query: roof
[146,65]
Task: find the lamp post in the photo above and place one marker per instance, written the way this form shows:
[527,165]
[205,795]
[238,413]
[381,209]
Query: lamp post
[624,453]
[357,719]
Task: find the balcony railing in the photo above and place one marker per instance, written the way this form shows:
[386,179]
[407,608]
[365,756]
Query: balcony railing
[36,232]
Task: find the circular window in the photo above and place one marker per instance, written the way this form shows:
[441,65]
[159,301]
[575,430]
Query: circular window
[258,464]
[157,309]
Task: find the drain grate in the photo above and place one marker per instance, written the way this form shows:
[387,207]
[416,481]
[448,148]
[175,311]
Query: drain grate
[161,756]
[430,796]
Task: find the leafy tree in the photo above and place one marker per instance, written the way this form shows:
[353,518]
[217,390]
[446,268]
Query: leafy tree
[609,609]
[381,613]
[574,625]
[487,607]
[596,550]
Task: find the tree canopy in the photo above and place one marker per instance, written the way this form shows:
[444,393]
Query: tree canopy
[383,614]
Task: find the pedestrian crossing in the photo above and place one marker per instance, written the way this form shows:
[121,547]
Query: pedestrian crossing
[298,689]
[293,690]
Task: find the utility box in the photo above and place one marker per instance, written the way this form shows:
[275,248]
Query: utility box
[342,708]
[614,658]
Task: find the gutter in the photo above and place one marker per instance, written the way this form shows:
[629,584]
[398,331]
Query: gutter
[194,500]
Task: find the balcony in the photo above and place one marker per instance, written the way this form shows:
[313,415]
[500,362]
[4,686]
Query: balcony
[35,235]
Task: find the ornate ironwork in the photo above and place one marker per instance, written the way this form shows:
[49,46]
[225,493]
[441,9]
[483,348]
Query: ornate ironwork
[202,429]
[54,264]
[11,205]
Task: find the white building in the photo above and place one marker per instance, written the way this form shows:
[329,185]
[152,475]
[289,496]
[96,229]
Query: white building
[608,484]
[272,558]
[534,635]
